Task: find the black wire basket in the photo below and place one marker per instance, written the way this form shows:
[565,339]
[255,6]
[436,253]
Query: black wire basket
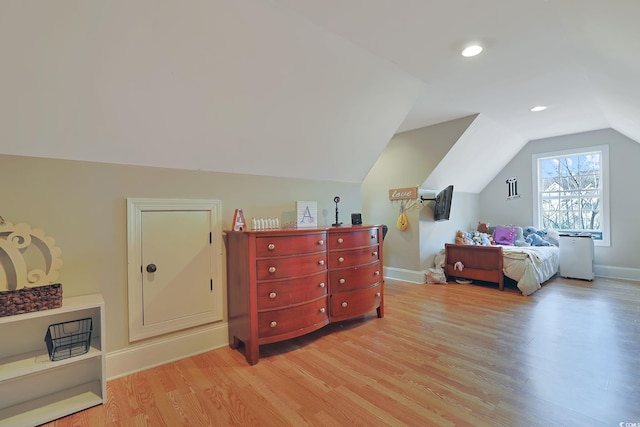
[68,339]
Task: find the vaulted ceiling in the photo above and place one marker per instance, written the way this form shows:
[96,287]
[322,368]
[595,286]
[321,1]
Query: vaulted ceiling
[305,88]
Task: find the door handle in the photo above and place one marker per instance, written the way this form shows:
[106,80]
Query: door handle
[151,268]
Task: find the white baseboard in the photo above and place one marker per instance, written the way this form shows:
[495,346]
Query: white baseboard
[617,272]
[158,352]
[404,275]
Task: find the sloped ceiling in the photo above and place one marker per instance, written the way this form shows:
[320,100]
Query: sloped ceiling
[305,88]
[467,151]
[223,85]
[579,57]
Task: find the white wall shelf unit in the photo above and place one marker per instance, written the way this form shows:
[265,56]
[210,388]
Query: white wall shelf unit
[35,390]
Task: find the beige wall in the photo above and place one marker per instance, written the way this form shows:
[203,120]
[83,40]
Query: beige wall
[407,161]
[82,205]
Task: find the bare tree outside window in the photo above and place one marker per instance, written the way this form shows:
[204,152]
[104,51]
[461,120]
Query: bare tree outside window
[570,192]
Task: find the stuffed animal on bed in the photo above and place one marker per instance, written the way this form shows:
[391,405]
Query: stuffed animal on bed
[536,240]
[464,238]
[485,239]
[483,227]
[535,237]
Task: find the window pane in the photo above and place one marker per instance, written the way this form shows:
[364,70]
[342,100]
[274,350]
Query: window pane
[570,192]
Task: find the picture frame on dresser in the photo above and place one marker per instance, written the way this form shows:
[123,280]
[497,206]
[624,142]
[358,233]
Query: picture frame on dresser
[306,214]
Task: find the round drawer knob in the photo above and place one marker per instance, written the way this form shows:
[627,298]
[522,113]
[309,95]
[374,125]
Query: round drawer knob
[375,253]
[376,273]
[322,310]
[344,304]
[322,285]
[340,259]
[272,270]
[373,236]
[377,294]
[272,295]
[340,240]
[341,281]
[321,262]
[273,324]
[271,246]
[320,242]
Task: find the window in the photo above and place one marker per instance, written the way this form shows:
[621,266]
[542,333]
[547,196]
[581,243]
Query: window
[572,191]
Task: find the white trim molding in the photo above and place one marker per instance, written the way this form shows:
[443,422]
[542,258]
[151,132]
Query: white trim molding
[612,272]
[405,275]
[140,357]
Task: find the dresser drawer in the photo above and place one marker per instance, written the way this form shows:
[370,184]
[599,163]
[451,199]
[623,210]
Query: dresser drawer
[340,259]
[353,278]
[286,320]
[269,246]
[355,303]
[281,293]
[280,285]
[353,239]
[281,268]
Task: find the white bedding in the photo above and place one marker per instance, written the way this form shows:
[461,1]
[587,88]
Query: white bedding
[530,266]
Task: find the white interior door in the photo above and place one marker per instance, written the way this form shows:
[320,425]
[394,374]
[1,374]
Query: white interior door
[174,257]
[176,261]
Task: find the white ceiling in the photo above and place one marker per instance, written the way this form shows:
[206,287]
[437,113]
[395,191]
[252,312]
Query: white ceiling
[579,57]
[305,88]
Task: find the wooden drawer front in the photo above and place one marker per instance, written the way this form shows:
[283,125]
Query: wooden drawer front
[339,259]
[290,245]
[285,292]
[350,304]
[278,322]
[281,268]
[353,239]
[353,278]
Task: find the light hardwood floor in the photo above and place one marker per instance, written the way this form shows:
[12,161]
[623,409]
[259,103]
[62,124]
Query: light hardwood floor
[466,355]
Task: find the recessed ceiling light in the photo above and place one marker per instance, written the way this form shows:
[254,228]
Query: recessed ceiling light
[471,50]
[538,108]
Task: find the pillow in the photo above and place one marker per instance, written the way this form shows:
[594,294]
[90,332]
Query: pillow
[553,237]
[519,233]
[505,235]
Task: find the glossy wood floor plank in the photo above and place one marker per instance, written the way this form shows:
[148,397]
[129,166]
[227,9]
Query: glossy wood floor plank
[464,355]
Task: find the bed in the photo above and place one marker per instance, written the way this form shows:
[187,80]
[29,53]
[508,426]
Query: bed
[529,266]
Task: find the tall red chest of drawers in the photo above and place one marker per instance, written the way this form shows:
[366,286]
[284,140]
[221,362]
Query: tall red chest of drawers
[285,283]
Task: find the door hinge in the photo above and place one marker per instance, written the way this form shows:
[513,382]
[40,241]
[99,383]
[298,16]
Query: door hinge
[211,284]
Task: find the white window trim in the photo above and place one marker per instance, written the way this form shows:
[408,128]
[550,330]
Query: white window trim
[606,216]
